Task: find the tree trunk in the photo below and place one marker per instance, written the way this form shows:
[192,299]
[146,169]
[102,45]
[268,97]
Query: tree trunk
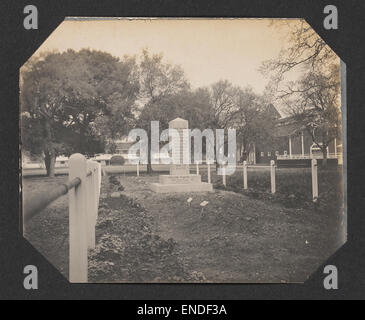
[50,161]
[324,161]
[149,167]
[50,154]
[216,162]
[149,158]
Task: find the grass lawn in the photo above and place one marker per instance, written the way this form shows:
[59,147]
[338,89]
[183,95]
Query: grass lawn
[293,187]
[249,236]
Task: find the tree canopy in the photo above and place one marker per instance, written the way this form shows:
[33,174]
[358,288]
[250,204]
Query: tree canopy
[64,94]
[83,101]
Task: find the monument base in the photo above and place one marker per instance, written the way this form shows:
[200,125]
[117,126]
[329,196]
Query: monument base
[173,188]
[181,183]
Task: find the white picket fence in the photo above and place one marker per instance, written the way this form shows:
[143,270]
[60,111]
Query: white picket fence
[272,168]
[83,213]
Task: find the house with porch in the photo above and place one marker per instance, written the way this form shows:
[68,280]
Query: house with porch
[292,145]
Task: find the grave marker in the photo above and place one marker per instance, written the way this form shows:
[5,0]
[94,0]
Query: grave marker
[180,179]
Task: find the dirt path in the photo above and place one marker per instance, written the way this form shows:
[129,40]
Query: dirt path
[235,238]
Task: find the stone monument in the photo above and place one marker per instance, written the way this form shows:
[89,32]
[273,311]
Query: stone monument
[180,179]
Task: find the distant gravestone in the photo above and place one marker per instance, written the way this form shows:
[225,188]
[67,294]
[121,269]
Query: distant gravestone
[180,179]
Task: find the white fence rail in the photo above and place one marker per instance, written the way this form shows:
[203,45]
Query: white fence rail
[272,167]
[272,176]
[83,188]
[308,156]
[244,172]
[314,167]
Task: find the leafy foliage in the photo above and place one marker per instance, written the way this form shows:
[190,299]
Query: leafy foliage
[64,96]
[117,160]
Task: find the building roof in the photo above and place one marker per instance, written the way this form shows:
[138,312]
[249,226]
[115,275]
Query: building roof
[287,126]
[271,110]
[286,130]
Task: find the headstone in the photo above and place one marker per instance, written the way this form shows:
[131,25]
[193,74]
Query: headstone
[180,179]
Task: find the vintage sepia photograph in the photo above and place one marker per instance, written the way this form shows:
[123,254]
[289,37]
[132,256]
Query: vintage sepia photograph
[183,150]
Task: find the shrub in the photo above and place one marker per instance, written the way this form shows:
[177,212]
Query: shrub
[114,180]
[117,160]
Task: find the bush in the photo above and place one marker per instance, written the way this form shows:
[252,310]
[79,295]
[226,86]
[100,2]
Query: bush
[117,160]
[114,180]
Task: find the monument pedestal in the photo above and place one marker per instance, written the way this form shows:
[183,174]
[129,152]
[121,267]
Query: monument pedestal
[181,183]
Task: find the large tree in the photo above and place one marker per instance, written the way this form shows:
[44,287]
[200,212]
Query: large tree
[41,106]
[120,91]
[252,120]
[313,98]
[314,104]
[223,100]
[305,51]
[224,103]
[159,81]
[63,95]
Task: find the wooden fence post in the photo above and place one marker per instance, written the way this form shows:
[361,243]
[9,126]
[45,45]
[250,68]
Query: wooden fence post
[224,176]
[98,185]
[208,172]
[272,173]
[78,266]
[314,179]
[244,175]
[91,211]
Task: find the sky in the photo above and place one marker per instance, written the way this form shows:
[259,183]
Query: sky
[208,50]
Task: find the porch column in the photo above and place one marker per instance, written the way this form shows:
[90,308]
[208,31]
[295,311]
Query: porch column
[302,138]
[289,146]
[254,153]
[335,148]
